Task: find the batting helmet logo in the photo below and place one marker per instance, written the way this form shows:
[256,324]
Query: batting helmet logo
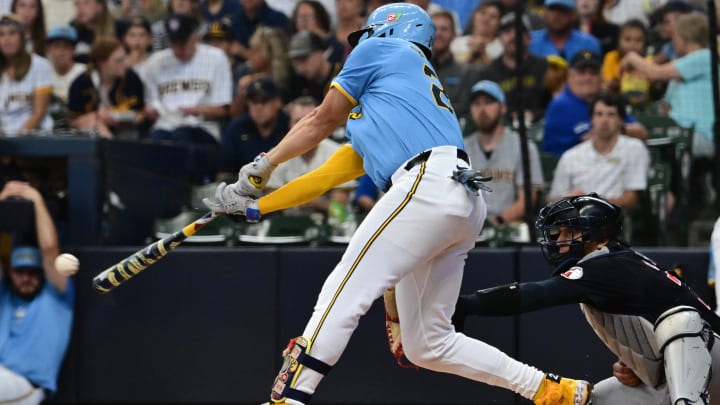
[392,17]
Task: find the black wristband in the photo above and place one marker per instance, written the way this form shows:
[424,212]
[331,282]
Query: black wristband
[499,219]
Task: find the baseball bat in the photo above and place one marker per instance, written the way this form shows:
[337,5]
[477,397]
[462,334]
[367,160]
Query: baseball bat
[130,266]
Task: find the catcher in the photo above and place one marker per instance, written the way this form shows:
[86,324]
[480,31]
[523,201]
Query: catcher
[659,328]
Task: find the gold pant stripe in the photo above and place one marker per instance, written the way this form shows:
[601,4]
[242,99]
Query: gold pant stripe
[364,250]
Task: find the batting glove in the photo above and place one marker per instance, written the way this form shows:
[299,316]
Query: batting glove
[254,176]
[229,201]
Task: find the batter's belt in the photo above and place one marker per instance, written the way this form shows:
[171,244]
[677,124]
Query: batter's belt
[423,157]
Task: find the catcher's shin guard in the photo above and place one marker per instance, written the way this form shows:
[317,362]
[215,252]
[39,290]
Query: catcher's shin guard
[556,390]
[295,357]
[685,340]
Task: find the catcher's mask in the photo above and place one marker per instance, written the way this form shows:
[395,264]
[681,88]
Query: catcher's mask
[589,217]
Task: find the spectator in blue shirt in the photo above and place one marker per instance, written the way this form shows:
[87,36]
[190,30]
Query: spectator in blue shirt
[560,37]
[251,14]
[567,119]
[36,309]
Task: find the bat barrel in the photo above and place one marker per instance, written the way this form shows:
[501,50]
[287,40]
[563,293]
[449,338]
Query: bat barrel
[120,272]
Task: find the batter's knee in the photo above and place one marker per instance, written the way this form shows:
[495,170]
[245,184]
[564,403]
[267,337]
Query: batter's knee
[430,354]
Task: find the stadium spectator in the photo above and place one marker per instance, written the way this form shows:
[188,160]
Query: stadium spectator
[349,15]
[310,15]
[633,86]
[253,14]
[494,150]
[503,70]
[481,44]
[313,72]
[32,16]
[690,83]
[26,84]
[188,86]
[308,161]
[258,130]
[159,29]
[92,19]
[592,21]
[36,309]
[608,163]
[137,40]
[567,119]
[109,97]
[267,56]
[560,37]
[556,76]
[690,79]
[219,34]
[453,74]
[61,48]
[666,16]
[219,10]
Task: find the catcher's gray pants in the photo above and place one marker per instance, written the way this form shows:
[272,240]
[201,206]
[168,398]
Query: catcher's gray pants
[611,392]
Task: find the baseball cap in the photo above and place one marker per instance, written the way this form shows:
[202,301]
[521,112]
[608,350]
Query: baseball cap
[304,43]
[586,58]
[263,88]
[64,31]
[179,27]
[14,21]
[490,88]
[569,4]
[25,257]
[508,21]
[219,30]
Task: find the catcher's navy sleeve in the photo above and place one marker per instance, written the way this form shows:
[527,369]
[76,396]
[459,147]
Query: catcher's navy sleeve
[517,298]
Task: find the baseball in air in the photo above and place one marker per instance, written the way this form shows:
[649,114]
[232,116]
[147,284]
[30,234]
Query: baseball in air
[67,264]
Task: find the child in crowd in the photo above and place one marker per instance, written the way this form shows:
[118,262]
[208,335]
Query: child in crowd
[632,85]
[138,43]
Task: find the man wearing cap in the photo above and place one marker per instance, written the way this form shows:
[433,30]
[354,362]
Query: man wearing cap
[313,71]
[503,71]
[189,86]
[259,129]
[561,37]
[36,309]
[567,120]
[494,150]
[61,48]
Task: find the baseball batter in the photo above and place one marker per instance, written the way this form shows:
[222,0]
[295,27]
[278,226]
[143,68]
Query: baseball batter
[404,134]
[622,294]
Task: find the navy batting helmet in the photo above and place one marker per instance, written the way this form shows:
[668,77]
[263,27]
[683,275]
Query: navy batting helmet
[595,218]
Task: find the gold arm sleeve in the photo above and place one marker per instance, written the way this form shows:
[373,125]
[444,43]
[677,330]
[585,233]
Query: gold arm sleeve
[342,166]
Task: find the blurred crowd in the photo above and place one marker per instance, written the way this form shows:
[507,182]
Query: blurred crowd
[235,75]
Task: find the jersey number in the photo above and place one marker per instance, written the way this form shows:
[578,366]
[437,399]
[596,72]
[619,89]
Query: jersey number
[437,91]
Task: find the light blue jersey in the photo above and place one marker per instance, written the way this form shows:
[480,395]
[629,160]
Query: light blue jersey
[34,335]
[401,108]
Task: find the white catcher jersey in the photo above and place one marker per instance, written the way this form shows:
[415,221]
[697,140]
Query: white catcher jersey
[17,96]
[581,167]
[205,80]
